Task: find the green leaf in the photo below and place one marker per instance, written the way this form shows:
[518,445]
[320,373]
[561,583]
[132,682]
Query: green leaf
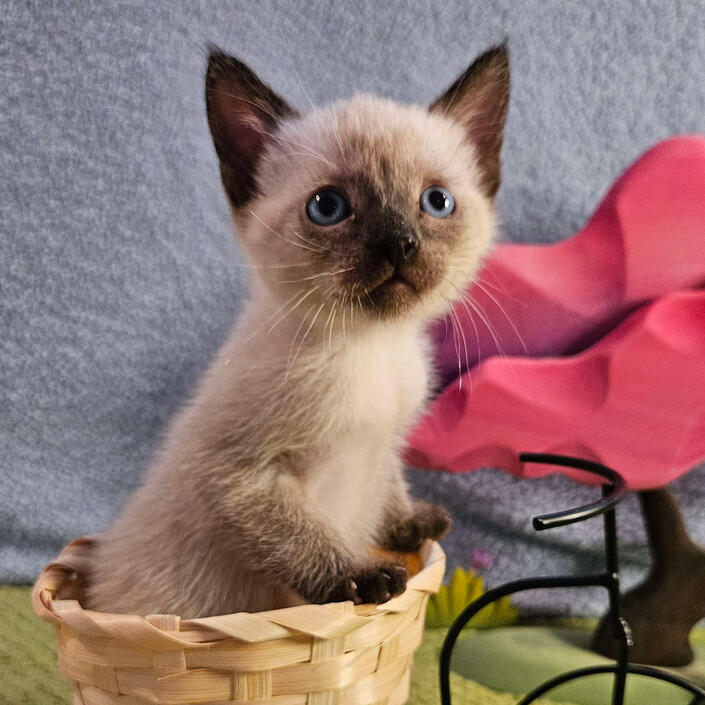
[453,598]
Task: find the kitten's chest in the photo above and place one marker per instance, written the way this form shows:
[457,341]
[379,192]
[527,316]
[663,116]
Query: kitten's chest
[376,396]
[385,384]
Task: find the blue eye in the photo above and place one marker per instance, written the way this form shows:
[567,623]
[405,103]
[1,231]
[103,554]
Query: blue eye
[437,201]
[327,208]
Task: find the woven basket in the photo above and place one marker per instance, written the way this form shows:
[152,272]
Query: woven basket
[335,654]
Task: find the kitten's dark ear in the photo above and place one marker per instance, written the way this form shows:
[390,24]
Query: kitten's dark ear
[479,100]
[243,112]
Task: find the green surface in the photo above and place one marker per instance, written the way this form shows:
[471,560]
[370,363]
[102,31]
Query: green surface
[28,671]
[464,587]
[29,675]
[424,682]
[520,658]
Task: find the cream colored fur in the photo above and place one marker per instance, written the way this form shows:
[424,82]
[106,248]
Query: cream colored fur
[282,470]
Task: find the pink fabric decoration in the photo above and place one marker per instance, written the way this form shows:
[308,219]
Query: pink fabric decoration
[646,239]
[605,337]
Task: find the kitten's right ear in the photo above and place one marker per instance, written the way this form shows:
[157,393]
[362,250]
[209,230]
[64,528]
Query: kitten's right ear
[243,113]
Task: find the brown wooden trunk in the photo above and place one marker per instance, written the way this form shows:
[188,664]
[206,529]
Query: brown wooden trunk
[663,609]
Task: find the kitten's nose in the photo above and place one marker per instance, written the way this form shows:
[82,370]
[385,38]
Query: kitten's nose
[397,248]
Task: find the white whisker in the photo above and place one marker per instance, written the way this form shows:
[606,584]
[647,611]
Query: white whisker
[456,344]
[325,327]
[279,235]
[342,310]
[302,323]
[313,153]
[317,276]
[303,340]
[271,266]
[332,323]
[483,317]
[509,320]
[269,318]
[309,242]
[302,298]
[454,316]
[462,299]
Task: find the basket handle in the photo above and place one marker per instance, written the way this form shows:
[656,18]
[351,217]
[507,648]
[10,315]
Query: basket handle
[65,568]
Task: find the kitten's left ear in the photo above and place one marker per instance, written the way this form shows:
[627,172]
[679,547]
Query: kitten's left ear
[479,100]
[243,115]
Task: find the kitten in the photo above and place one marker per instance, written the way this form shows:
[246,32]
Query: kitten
[361,221]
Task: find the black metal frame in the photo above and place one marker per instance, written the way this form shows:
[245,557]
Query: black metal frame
[613,491]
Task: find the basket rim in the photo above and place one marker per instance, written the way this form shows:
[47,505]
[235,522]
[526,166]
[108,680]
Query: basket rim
[328,621]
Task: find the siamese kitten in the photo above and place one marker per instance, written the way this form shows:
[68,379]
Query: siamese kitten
[361,221]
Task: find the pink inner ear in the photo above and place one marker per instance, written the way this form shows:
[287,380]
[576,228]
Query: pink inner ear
[241,132]
[484,121]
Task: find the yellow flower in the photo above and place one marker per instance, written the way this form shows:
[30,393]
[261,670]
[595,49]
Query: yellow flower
[452,599]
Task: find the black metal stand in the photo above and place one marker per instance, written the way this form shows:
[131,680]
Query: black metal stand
[613,491]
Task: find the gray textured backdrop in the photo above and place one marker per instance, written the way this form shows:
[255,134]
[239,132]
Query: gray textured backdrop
[118,273]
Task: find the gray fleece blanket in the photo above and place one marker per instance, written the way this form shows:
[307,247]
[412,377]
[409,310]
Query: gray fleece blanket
[119,275]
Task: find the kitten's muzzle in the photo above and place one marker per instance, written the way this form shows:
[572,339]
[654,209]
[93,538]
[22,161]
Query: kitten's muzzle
[396,248]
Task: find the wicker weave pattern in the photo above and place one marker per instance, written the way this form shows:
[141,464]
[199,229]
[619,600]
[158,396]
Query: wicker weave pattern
[335,654]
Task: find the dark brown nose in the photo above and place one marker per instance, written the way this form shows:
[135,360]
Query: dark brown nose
[396,249]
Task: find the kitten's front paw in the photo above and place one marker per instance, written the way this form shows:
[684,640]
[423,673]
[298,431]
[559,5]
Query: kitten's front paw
[371,584]
[428,521]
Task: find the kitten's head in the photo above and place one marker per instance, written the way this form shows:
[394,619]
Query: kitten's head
[369,206]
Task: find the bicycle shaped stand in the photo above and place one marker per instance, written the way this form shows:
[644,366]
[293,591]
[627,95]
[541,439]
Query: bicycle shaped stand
[613,491]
